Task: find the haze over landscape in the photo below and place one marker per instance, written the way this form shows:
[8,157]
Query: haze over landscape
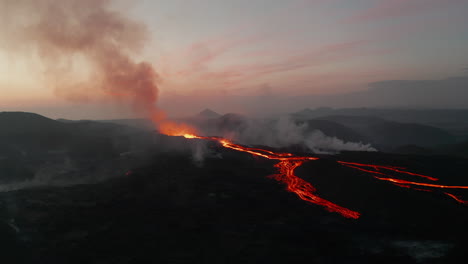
[260,131]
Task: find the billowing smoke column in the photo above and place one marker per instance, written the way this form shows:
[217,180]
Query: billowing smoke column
[83,32]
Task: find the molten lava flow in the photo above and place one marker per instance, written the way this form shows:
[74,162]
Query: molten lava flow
[288,162]
[405,182]
[172,128]
[419,186]
[305,190]
[456,198]
[377,168]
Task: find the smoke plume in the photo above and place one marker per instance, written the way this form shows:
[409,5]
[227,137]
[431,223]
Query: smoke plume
[93,34]
[69,35]
[280,132]
[320,143]
[285,132]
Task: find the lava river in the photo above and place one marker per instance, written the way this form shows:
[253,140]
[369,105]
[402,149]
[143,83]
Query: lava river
[288,162]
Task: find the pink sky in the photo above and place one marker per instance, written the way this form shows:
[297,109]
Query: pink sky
[211,51]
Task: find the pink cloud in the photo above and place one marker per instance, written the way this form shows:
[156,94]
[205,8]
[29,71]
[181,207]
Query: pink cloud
[320,56]
[386,9]
[199,57]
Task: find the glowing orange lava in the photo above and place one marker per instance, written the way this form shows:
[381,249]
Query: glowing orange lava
[304,189]
[456,198]
[172,128]
[189,136]
[418,186]
[377,168]
[288,162]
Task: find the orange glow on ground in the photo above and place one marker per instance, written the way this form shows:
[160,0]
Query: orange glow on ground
[171,128]
[456,198]
[288,162]
[418,186]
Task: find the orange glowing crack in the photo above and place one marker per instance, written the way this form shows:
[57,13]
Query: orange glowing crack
[390,168]
[456,198]
[405,182]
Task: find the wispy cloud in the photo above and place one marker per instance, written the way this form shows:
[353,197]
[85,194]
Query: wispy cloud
[388,9]
[316,57]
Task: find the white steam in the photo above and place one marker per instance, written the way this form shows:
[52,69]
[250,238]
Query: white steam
[199,152]
[319,143]
[285,132]
[274,133]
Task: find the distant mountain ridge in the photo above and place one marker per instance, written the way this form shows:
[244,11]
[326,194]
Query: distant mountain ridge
[34,131]
[454,121]
[31,129]
[394,134]
[208,113]
[24,122]
[435,94]
[392,114]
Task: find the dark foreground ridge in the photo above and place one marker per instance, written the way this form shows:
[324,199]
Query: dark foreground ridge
[125,195]
[229,211]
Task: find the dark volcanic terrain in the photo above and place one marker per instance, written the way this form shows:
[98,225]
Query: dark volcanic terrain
[169,209]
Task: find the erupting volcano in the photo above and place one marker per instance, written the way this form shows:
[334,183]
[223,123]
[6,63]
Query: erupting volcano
[288,162]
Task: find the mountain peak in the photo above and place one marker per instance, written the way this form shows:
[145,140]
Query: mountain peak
[208,113]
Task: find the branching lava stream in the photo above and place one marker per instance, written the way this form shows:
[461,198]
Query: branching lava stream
[288,162]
